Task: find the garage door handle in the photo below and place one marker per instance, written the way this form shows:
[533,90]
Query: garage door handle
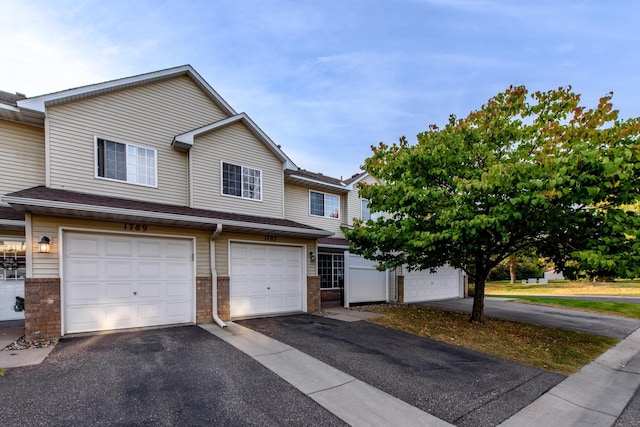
[135,293]
[268,287]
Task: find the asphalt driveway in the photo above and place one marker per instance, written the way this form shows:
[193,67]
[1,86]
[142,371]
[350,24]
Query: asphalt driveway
[173,376]
[460,386]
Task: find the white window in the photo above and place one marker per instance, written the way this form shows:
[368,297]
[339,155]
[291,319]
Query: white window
[125,162]
[331,270]
[240,181]
[366,212]
[12,260]
[321,204]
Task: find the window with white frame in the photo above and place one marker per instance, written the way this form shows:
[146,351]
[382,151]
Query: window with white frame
[366,212]
[241,181]
[125,162]
[322,204]
[12,260]
[331,270]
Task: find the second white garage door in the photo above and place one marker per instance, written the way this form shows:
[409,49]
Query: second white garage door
[115,281]
[265,279]
[445,283]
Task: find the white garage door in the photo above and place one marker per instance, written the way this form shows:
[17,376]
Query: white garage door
[265,279]
[445,283]
[117,281]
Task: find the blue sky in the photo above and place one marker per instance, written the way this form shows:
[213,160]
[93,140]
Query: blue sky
[327,79]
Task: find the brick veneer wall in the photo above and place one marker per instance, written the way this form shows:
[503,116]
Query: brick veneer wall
[42,314]
[224,305]
[203,300]
[401,289]
[313,294]
[329,295]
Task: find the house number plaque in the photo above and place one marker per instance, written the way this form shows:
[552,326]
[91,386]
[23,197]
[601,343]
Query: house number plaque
[270,238]
[135,227]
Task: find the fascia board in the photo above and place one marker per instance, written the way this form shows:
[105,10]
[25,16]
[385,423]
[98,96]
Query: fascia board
[342,188]
[187,139]
[38,103]
[158,215]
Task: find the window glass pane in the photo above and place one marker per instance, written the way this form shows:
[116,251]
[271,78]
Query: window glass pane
[231,179]
[251,183]
[316,203]
[115,161]
[331,206]
[366,213]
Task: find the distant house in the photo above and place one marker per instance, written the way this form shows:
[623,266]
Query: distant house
[552,274]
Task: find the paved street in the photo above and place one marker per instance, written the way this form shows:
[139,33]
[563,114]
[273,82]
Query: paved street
[593,323]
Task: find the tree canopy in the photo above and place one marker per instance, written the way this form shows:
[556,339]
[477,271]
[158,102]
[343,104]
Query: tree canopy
[524,171]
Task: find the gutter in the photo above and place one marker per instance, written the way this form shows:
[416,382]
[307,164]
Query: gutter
[214,277]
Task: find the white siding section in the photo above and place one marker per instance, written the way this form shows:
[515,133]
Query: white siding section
[235,144]
[354,204]
[148,116]
[47,265]
[22,159]
[297,209]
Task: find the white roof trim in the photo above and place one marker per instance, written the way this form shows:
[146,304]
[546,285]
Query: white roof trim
[323,183]
[38,103]
[159,215]
[18,223]
[187,139]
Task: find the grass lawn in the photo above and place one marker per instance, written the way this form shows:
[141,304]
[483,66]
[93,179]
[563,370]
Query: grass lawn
[539,346]
[618,288]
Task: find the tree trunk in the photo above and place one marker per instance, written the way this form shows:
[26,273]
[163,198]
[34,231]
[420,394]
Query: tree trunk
[477,314]
[512,268]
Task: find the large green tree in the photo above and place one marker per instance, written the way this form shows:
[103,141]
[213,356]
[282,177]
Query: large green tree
[526,170]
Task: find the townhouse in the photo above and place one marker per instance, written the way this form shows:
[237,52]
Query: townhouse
[149,200]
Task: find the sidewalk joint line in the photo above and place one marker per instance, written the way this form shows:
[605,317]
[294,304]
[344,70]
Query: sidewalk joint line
[329,388]
[588,409]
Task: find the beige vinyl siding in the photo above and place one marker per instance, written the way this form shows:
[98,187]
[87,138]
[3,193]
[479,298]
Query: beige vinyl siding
[148,116]
[222,249]
[22,156]
[235,144]
[47,265]
[297,209]
[355,202]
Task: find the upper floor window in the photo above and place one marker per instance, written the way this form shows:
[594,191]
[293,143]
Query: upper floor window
[126,162]
[321,204]
[366,212]
[240,181]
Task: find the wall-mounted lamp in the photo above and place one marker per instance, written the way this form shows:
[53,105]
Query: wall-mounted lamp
[44,245]
[312,255]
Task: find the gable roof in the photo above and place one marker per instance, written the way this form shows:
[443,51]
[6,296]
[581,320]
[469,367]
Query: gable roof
[319,181]
[74,204]
[184,141]
[7,98]
[39,103]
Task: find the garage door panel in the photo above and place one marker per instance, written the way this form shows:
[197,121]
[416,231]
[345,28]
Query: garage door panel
[116,270]
[424,285]
[86,293]
[129,282]
[265,279]
[114,247]
[149,250]
[117,291]
[82,246]
[85,270]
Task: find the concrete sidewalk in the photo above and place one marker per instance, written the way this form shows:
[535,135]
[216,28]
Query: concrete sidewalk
[18,358]
[594,396]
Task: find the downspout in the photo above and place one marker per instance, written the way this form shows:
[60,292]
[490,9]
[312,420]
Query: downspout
[214,277]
